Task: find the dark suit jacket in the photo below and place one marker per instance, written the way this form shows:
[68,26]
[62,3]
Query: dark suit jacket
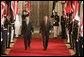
[23,17]
[45,30]
[27,29]
[6,23]
[56,20]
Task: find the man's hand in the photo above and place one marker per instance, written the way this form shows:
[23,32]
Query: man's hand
[77,40]
[32,33]
[22,35]
[50,31]
[40,34]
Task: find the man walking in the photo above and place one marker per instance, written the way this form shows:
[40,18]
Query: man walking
[45,27]
[28,30]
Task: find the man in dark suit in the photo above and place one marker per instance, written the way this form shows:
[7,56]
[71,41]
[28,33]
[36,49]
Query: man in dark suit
[63,26]
[45,27]
[28,30]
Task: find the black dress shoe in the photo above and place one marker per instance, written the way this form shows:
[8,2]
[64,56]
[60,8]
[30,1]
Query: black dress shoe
[3,54]
[12,42]
[29,46]
[67,43]
[71,48]
[45,49]
[25,48]
[9,47]
[75,55]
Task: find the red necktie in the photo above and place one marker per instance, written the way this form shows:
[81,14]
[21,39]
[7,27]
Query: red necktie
[45,24]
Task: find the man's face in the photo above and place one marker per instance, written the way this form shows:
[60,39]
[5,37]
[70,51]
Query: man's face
[62,13]
[4,18]
[56,13]
[27,19]
[45,18]
[24,13]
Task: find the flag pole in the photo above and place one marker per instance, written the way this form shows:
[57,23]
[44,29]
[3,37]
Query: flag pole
[72,31]
[78,29]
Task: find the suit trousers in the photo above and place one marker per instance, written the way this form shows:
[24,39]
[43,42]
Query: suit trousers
[45,41]
[27,39]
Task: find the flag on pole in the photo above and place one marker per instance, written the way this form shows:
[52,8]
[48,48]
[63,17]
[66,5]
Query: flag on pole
[75,8]
[8,11]
[67,8]
[28,6]
[3,11]
[14,6]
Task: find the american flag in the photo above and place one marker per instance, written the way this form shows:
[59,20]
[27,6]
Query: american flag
[28,6]
[3,11]
[67,8]
[14,6]
[75,8]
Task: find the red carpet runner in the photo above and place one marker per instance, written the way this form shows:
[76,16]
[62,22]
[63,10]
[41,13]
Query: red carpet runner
[56,47]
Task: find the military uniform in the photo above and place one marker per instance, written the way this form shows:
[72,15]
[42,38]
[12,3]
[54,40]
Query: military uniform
[81,45]
[67,30]
[3,41]
[17,25]
[4,36]
[56,24]
[75,33]
[63,27]
[9,32]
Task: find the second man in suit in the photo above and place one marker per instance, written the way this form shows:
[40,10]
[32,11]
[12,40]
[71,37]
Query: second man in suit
[27,32]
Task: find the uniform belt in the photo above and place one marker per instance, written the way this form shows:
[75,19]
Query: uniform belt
[23,20]
[5,28]
[9,25]
[12,23]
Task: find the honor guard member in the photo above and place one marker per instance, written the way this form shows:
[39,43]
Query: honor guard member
[67,28]
[63,26]
[9,30]
[70,29]
[56,24]
[4,36]
[75,34]
[81,43]
[12,27]
[17,25]
[81,39]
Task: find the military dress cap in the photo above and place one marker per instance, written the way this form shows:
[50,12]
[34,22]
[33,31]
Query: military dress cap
[5,15]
